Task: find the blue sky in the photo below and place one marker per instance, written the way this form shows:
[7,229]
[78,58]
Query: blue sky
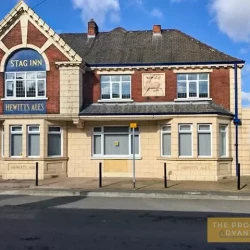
[223,24]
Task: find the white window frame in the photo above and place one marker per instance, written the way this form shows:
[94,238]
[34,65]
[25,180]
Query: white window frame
[111,89]
[55,132]
[32,133]
[15,133]
[14,97]
[205,132]
[129,133]
[197,86]
[165,132]
[185,132]
[226,132]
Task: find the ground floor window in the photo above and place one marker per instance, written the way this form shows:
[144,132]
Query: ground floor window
[33,140]
[185,140]
[115,141]
[16,136]
[223,139]
[54,141]
[166,140]
[204,140]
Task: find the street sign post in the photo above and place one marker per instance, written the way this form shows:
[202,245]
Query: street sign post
[133,126]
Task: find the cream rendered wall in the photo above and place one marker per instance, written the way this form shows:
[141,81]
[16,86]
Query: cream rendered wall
[150,165]
[70,90]
[244,142]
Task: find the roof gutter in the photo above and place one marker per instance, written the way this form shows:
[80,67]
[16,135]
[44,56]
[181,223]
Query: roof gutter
[149,115]
[162,64]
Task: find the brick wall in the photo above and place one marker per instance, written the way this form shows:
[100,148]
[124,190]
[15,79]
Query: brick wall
[14,36]
[219,80]
[35,37]
[220,87]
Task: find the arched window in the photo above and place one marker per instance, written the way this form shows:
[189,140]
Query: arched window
[25,75]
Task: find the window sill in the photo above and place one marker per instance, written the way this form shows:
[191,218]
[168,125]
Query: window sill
[192,99]
[25,99]
[114,101]
[115,158]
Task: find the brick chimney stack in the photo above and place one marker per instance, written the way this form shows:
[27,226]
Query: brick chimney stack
[157,29]
[92,28]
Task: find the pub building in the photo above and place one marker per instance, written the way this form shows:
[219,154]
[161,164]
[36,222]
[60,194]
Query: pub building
[67,102]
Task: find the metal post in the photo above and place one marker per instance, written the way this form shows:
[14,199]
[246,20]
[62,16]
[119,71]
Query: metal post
[100,174]
[236,118]
[238,182]
[133,158]
[165,175]
[36,174]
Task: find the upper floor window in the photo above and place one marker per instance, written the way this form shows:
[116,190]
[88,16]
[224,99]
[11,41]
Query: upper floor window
[25,75]
[192,86]
[115,87]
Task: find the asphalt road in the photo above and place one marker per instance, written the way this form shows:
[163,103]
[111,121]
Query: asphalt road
[72,223]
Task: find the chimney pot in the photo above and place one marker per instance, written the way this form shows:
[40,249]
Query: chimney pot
[92,28]
[157,29]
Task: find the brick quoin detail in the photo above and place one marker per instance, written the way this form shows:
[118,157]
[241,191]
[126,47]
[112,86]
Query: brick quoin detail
[53,80]
[220,87]
[14,37]
[35,37]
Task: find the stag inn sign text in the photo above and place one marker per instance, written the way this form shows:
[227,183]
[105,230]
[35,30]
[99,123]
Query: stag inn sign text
[153,84]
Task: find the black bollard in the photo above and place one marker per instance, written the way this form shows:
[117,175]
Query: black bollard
[100,174]
[238,180]
[36,174]
[165,175]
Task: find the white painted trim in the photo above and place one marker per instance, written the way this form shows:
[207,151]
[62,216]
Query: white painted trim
[24,28]
[162,133]
[139,67]
[3,47]
[20,46]
[192,99]
[211,139]
[185,132]
[115,100]
[47,44]
[25,99]
[115,72]
[192,70]
[129,133]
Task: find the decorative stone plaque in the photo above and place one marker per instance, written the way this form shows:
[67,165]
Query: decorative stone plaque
[153,84]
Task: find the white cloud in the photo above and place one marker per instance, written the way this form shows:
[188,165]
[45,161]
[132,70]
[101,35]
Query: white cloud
[233,18]
[156,13]
[244,51]
[245,96]
[98,9]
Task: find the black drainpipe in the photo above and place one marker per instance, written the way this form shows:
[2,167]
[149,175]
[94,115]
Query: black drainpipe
[237,121]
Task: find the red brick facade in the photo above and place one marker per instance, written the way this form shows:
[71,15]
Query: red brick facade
[219,80]
[220,87]
[14,36]
[35,37]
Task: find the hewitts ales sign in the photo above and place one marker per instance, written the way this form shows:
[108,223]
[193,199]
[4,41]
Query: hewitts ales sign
[24,107]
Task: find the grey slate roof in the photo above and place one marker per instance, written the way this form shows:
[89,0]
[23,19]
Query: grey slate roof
[142,47]
[109,109]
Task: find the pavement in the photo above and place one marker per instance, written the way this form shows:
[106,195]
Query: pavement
[123,187]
